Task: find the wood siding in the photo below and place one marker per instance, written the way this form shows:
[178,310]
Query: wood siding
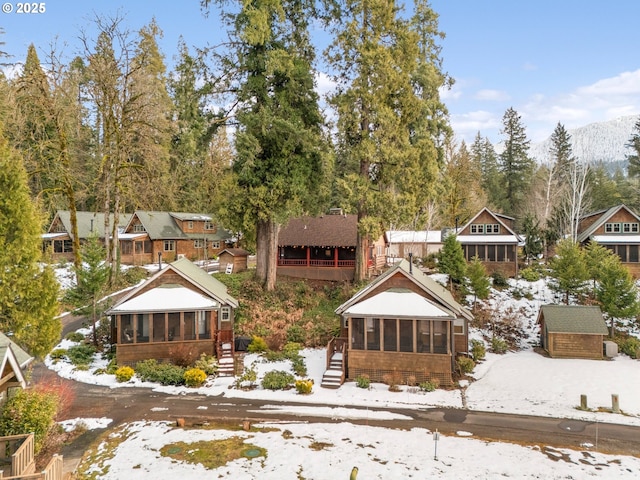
[422,366]
[129,354]
[573,345]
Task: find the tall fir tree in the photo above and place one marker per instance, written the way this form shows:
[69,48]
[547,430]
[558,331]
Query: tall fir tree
[478,280]
[515,164]
[391,122]
[634,157]
[484,154]
[451,261]
[568,269]
[617,292]
[28,290]
[280,145]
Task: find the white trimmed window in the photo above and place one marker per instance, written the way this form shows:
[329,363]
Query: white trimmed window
[190,225]
[198,243]
[477,228]
[208,225]
[225,314]
[214,244]
[138,227]
[169,245]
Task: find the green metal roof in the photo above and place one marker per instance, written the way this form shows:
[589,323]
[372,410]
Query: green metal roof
[162,226]
[573,319]
[22,357]
[213,286]
[90,223]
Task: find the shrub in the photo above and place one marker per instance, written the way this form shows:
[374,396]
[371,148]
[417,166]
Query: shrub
[207,363]
[393,380]
[58,354]
[465,365]
[75,337]
[248,378]
[429,385]
[499,345]
[183,355]
[630,346]
[291,350]
[81,355]
[499,280]
[299,366]
[304,387]
[30,411]
[277,380]
[530,274]
[112,367]
[363,381]
[295,333]
[162,373]
[194,377]
[411,380]
[478,350]
[257,345]
[124,374]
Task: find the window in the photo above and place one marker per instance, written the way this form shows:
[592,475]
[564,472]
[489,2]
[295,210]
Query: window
[225,314]
[406,335]
[138,227]
[373,333]
[493,228]
[357,333]
[59,228]
[458,326]
[630,227]
[127,248]
[214,244]
[169,245]
[190,225]
[477,228]
[424,336]
[633,253]
[198,243]
[390,335]
[208,225]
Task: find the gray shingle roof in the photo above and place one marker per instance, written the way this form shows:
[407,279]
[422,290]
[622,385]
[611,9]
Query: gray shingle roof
[90,223]
[22,357]
[573,319]
[162,226]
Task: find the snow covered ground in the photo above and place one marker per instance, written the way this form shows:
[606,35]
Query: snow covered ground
[522,382]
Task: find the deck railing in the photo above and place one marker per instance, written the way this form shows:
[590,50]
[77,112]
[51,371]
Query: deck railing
[302,262]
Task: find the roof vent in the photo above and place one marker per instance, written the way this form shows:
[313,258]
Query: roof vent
[335,211]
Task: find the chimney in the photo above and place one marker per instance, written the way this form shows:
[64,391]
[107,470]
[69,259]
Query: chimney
[91,227]
[159,260]
[411,263]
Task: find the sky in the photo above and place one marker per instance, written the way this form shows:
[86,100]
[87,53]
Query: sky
[519,382]
[568,61]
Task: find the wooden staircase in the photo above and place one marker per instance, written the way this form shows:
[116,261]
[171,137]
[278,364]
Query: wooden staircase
[334,375]
[226,362]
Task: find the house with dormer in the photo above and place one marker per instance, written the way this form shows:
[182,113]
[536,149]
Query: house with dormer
[618,229]
[150,236]
[58,240]
[491,237]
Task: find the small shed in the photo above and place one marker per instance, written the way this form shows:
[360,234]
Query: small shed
[237,257]
[572,331]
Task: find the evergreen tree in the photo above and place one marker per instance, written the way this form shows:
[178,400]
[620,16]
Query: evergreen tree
[280,145]
[478,280]
[634,156]
[533,246]
[568,269]
[485,155]
[595,256]
[92,283]
[28,291]
[515,164]
[617,291]
[391,121]
[451,260]
[462,194]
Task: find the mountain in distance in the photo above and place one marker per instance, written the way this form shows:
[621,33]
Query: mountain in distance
[601,142]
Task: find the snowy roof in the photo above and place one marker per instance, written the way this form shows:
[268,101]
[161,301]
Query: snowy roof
[398,302]
[410,236]
[166,298]
[622,239]
[488,239]
[48,236]
[131,236]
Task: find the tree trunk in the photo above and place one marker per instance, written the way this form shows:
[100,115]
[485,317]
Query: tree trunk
[361,258]
[267,253]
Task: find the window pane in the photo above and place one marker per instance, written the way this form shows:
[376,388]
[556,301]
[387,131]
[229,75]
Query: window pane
[491,253]
[357,333]
[440,337]
[189,325]
[633,253]
[406,335]
[424,340]
[158,327]
[174,326]
[142,329]
[126,329]
[390,335]
[500,253]
[373,333]
[622,252]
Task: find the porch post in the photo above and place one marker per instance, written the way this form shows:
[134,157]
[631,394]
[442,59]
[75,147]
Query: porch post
[118,325]
[308,256]
[134,317]
[335,257]
[166,326]
[150,321]
[182,326]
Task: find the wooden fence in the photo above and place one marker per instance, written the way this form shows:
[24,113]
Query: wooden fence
[17,454]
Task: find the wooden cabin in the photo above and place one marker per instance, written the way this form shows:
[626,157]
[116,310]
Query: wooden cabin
[491,237]
[324,248]
[180,307]
[13,361]
[150,235]
[58,241]
[572,331]
[618,229]
[405,323]
[233,260]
